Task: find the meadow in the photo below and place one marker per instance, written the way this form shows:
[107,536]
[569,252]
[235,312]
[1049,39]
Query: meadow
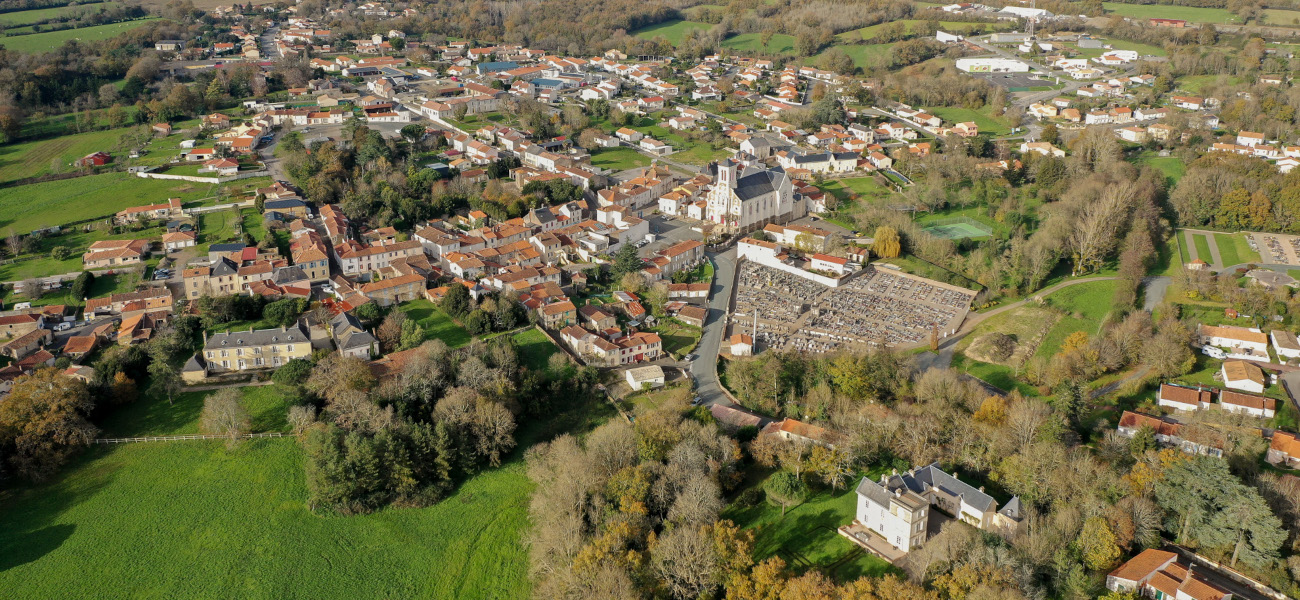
[866,55]
[753,42]
[1172,166]
[46,42]
[619,159]
[35,158]
[200,520]
[672,31]
[38,205]
[1085,307]
[1192,14]
[27,17]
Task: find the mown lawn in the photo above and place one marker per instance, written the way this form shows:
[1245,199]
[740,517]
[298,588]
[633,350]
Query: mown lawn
[267,408]
[217,227]
[1172,166]
[32,159]
[1234,249]
[678,339]
[866,55]
[1202,244]
[28,207]
[437,324]
[45,42]
[672,31]
[1084,305]
[619,159]
[44,264]
[807,536]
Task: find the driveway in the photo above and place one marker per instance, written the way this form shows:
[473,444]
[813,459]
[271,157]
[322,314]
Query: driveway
[705,368]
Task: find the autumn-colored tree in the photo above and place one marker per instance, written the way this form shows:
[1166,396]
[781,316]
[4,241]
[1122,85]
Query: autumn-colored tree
[887,244]
[44,421]
[993,411]
[1097,544]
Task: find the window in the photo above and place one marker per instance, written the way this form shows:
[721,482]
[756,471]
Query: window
[290,348]
[210,354]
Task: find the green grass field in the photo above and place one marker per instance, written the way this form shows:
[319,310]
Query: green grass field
[672,31]
[535,349]
[678,339]
[866,55]
[753,42]
[1279,17]
[1085,306]
[619,159]
[31,159]
[27,17]
[866,34]
[1141,49]
[806,536]
[1234,250]
[1202,244]
[38,205]
[198,520]
[437,324]
[78,241]
[983,117]
[1159,11]
[1172,166]
[1197,84]
[999,376]
[45,42]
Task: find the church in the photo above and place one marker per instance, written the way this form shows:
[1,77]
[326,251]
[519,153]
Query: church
[745,198]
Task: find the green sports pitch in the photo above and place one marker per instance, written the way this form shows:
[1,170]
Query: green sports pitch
[957,231]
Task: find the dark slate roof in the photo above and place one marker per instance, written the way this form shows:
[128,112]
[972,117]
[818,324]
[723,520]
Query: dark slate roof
[284,203]
[194,364]
[348,333]
[289,274]
[225,266]
[811,158]
[933,476]
[260,337]
[234,247]
[759,182]
[1013,509]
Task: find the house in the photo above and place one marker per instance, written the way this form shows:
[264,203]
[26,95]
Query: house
[1133,134]
[394,290]
[1241,375]
[94,159]
[654,146]
[115,253]
[898,507]
[640,378]
[80,345]
[166,210]
[1255,406]
[178,239]
[836,265]
[351,339]
[24,345]
[792,430]
[1284,450]
[251,350]
[558,315]
[1285,344]
[1167,431]
[1158,574]
[1184,398]
[628,135]
[1188,102]
[1043,148]
[693,315]
[742,345]
[1240,342]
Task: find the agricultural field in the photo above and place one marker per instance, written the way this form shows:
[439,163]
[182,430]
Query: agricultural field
[806,537]
[45,42]
[619,159]
[753,42]
[983,117]
[672,31]
[1278,17]
[32,159]
[1197,84]
[1191,14]
[437,325]
[866,34]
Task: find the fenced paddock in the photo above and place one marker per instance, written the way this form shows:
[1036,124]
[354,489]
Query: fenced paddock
[956,228]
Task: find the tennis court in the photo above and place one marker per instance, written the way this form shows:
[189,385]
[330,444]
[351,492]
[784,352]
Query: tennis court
[959,230]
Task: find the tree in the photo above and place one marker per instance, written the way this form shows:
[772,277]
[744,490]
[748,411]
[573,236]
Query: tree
[412,335]
[283,312]
[165,378]
[223,414]
[82,284]
[456,302]
[389,332]
[626,261]
[301,416]
[784,489]
[478,322]
[44,421]
[887,243]
[1097,544]
[1207,503]
[293,373]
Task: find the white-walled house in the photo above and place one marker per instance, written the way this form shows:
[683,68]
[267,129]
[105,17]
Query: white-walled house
[1240,342]
[1285,344]
[1255,406]
[1241,375]
[1184,398]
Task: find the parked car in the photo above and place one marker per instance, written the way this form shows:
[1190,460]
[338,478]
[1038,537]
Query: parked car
[63,327]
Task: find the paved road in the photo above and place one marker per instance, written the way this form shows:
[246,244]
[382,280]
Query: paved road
[1153,291]
[1216,261]
[705,368]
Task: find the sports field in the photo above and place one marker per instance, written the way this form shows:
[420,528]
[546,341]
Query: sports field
[957,231]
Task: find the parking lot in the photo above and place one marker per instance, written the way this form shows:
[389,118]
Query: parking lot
[1014,80]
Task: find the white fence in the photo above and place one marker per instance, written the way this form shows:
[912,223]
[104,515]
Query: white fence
[175,438]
